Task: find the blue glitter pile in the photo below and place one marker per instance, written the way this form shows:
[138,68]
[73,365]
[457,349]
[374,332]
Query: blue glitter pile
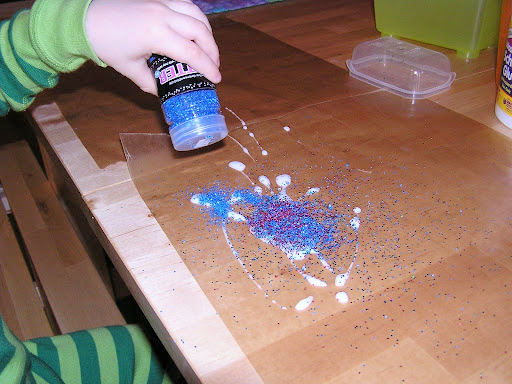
[292,225]
[190,105]
[217,201]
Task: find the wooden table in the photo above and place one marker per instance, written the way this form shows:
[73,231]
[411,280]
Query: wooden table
[430,292]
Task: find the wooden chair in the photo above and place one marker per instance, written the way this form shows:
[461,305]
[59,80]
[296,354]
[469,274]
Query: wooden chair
[48,284]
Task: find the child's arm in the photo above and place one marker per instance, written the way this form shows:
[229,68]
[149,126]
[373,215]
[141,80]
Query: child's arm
[36,45]
[60,35]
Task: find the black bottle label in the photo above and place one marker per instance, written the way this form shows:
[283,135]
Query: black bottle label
[173,77]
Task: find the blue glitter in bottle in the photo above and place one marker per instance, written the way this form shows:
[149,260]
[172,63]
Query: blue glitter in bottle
[189,103]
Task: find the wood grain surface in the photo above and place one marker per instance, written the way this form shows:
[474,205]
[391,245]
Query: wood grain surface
[429,294]
[425,272]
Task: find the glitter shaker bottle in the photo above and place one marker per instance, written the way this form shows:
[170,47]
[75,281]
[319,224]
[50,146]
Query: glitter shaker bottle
[189,103]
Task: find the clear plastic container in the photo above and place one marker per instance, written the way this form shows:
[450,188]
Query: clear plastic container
[467,26]
[402,68]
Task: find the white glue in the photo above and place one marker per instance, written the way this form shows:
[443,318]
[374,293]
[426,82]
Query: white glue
[503,108]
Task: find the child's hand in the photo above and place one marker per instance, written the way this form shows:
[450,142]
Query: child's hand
[124,34]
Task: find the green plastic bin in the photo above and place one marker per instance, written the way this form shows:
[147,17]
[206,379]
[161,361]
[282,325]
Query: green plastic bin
[467,26]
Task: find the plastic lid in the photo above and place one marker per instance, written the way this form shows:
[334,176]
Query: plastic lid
[402,68]
[198,132]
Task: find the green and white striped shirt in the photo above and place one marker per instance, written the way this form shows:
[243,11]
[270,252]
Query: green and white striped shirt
[109,355]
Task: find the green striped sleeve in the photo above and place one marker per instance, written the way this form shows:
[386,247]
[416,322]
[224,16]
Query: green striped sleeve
[143,357]
[114,355]
[45,370]
[125,348]
[107,355]
[17,90]
[38,44]
[4,107]
[42,373]
[87,356]
[68,359]
[27,59]
[45,360]
[14,362]
[148,369]
[57,31]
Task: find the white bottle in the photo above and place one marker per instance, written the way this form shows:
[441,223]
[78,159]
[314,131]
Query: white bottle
[503,108]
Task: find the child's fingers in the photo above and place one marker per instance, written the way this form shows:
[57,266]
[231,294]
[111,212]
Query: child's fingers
[187,7]
[195,31]
[142,77]
[186,51]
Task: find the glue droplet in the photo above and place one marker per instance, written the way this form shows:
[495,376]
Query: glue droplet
[312,191]
[237,166]
[315,282]
[283,180]
[342,297]
[341,280]
[355,223]
[304,303]
[264,180]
